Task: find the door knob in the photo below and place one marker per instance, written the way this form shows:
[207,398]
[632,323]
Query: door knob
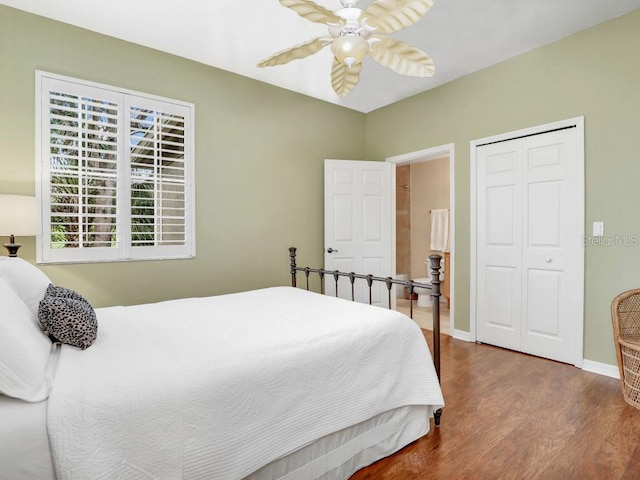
[548,259]
[331,250]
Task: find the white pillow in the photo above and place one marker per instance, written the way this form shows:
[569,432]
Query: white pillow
[28,281]
[24,350]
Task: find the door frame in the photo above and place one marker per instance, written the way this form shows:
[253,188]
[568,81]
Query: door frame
[578,123]
[427,154]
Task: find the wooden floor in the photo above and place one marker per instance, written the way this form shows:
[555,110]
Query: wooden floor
[513,416]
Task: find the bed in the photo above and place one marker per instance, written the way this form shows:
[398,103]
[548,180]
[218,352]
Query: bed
[273,383]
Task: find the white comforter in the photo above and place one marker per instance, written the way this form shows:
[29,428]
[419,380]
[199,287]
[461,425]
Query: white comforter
[215,388]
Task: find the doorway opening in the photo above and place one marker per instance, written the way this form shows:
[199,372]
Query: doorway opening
[424,204]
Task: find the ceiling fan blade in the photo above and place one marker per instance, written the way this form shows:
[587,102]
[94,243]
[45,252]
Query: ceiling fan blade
[295,53]
[343,78]
[389,16]
[401,57]
[312,11]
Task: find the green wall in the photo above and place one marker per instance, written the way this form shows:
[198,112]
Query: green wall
[595,74]
[259,160]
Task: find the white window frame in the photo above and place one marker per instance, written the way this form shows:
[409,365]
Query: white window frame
[123,251]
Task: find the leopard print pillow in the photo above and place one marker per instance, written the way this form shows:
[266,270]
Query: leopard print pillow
[62,292]
[69,320]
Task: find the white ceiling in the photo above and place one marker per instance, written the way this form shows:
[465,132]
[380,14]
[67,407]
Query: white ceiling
[462,36]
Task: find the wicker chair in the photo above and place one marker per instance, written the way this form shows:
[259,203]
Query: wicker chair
[625,314]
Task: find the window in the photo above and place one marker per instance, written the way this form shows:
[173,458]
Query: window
[116,173]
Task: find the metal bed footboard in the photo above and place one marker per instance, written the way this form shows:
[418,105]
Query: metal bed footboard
[435,264]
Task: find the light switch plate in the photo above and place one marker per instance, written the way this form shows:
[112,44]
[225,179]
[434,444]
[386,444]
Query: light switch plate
[598,229]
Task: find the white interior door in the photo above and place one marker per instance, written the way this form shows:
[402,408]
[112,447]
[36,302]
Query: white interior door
[358,225]
[530,222]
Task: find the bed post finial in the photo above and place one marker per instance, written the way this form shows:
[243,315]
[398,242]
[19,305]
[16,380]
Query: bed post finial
[435,304]
[292,261]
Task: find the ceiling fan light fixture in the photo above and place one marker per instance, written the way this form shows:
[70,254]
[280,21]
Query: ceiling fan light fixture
[350,49]
[355,33]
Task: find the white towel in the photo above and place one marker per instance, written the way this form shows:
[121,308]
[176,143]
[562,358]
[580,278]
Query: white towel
[440,230]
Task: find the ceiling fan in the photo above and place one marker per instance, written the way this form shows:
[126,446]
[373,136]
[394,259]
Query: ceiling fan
[354,33]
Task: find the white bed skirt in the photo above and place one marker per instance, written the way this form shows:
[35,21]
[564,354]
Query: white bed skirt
[339,455]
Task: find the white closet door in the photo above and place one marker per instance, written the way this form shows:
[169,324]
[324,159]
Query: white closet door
[529,249]
[552,253]
[499,284]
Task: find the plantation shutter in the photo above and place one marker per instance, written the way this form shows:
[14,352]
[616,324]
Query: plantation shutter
[116,171]
[158,173]
[82,173]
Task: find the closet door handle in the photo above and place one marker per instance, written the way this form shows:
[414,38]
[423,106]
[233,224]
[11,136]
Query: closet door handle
[548,259]
[331,250]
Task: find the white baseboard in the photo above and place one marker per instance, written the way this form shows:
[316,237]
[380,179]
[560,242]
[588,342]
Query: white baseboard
[461,335]
[587,365]
[601,368]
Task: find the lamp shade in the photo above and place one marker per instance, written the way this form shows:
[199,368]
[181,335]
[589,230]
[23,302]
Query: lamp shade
[18,215]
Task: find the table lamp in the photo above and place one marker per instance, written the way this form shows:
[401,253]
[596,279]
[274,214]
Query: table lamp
[18,218]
